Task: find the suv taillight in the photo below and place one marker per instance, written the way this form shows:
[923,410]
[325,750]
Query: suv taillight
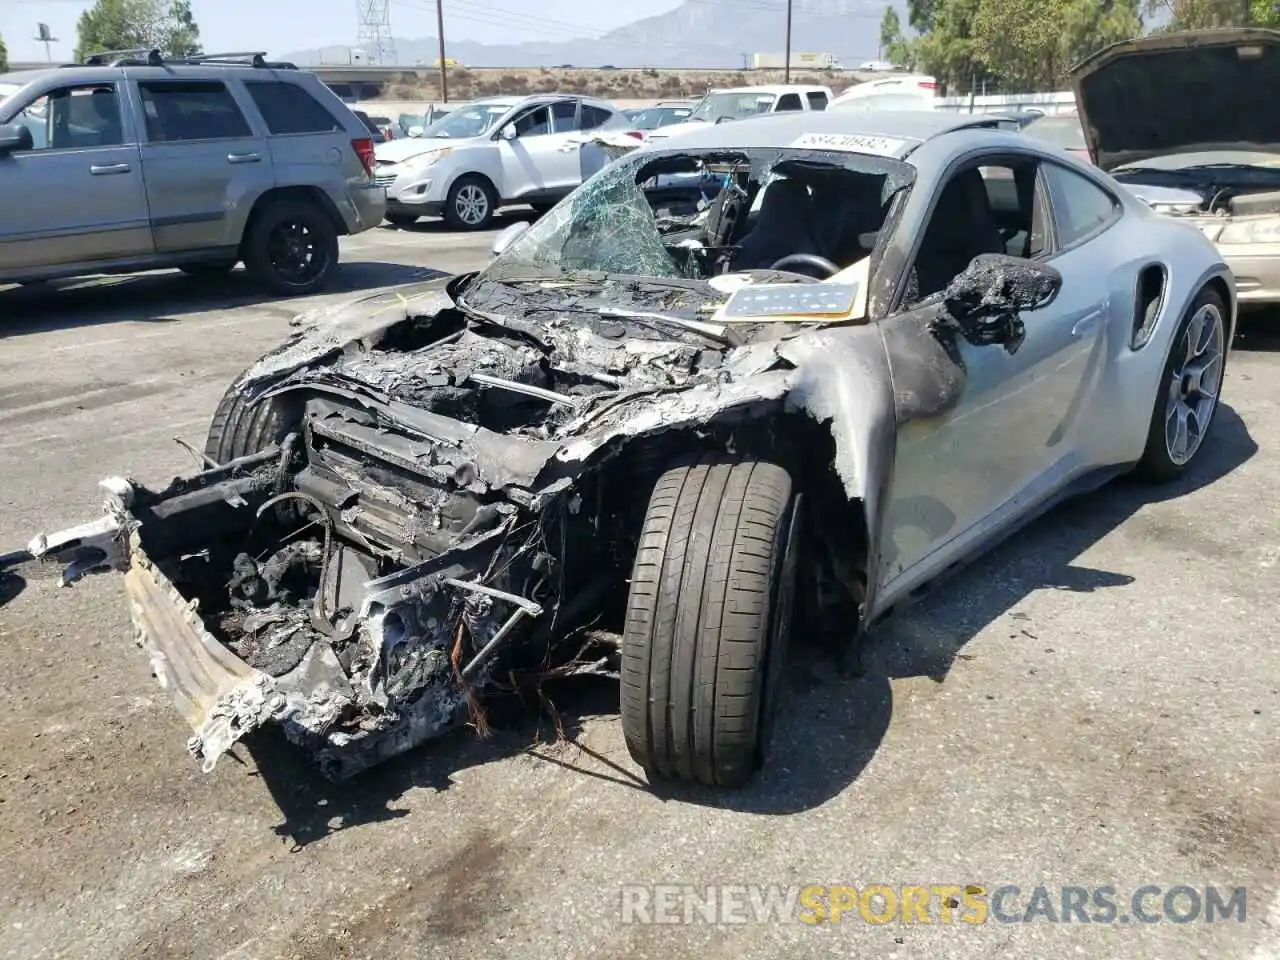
[364,150]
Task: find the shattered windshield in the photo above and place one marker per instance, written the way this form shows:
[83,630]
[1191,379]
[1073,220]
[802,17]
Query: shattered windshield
[698,214]
[473,121]
[715,107]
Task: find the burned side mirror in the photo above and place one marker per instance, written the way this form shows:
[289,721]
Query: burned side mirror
[985,300]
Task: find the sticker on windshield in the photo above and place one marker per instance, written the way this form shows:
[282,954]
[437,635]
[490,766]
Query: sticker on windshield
[851,143]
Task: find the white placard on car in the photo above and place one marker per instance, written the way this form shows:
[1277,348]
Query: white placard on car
[851,143]
[801,301]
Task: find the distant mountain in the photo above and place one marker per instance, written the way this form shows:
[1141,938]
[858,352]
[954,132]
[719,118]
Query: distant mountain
[698,33]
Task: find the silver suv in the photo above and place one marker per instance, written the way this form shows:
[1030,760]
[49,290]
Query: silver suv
[130,162]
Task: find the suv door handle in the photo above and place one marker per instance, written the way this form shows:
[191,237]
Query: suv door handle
[106,169]
[243,158]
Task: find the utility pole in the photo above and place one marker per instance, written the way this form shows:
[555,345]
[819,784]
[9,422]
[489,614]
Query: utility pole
[786,68]
[444,72]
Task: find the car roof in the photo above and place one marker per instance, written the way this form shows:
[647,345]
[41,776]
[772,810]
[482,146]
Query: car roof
[88,73]
[22,77]
[912,127]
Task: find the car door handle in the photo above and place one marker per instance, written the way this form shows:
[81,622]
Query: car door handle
[243,158]
[106,169]
[1086,326]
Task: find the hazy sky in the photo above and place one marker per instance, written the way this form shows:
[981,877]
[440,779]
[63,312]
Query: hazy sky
[280,26]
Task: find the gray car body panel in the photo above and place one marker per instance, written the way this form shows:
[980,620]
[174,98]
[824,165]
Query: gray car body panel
[179,202]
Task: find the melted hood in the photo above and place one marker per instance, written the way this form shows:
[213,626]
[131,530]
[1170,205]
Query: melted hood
[1180,93]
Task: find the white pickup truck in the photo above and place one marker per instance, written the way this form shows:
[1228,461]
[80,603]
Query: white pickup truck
[738,103]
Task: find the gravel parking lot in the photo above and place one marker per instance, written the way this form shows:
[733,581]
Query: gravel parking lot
[1093,704]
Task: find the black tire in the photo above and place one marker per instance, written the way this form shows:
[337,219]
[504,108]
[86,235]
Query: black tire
[1157,465]
[241,427]
[708,618]
[402,219]
[271,229]
[208,271]
[462,190]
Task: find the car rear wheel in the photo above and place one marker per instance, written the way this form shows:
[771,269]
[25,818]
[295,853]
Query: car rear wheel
[1187,395]
[471,203]
[291,248]
[708,619]
[402,219]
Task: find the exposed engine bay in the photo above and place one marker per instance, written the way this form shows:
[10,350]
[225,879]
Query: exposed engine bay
[1220,184]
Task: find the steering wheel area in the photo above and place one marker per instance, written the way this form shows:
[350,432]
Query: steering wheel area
[820,265]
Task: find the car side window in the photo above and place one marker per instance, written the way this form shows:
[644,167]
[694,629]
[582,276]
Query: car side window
[817,100]
[74,117]
[593,117]
[1016,192]
[1080,208]
[534,123]
[564,114]
[993,208]
[287,108]
[789,101]
[191,110]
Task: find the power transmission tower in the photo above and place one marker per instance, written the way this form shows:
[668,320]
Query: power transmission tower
[374,31]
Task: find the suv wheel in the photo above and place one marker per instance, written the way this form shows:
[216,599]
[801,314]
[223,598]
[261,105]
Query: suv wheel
[291,247]
[471,203]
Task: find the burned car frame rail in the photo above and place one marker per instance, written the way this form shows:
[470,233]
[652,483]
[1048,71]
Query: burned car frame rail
[601,455]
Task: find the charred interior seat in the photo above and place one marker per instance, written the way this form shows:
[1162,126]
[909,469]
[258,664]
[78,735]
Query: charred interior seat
[785,225]
[961,228]
[849,210]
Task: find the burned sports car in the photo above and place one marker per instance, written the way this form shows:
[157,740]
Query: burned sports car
[791,371]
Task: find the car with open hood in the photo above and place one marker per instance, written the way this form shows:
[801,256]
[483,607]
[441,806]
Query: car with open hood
[664,425]
[1187,122]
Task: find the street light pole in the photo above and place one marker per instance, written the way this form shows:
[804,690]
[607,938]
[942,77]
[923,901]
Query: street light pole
[786,68]
[444,72]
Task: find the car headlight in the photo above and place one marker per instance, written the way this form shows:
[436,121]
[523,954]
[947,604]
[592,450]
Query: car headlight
[1251,231]
[424,160]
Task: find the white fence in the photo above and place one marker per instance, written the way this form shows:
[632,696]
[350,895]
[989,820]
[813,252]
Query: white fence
[1060,102]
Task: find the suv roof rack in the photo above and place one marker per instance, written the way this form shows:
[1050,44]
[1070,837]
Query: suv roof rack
[251,58]
[140,57]
[153,58]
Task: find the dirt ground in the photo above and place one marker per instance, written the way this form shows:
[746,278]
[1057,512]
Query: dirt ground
[1094,703]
